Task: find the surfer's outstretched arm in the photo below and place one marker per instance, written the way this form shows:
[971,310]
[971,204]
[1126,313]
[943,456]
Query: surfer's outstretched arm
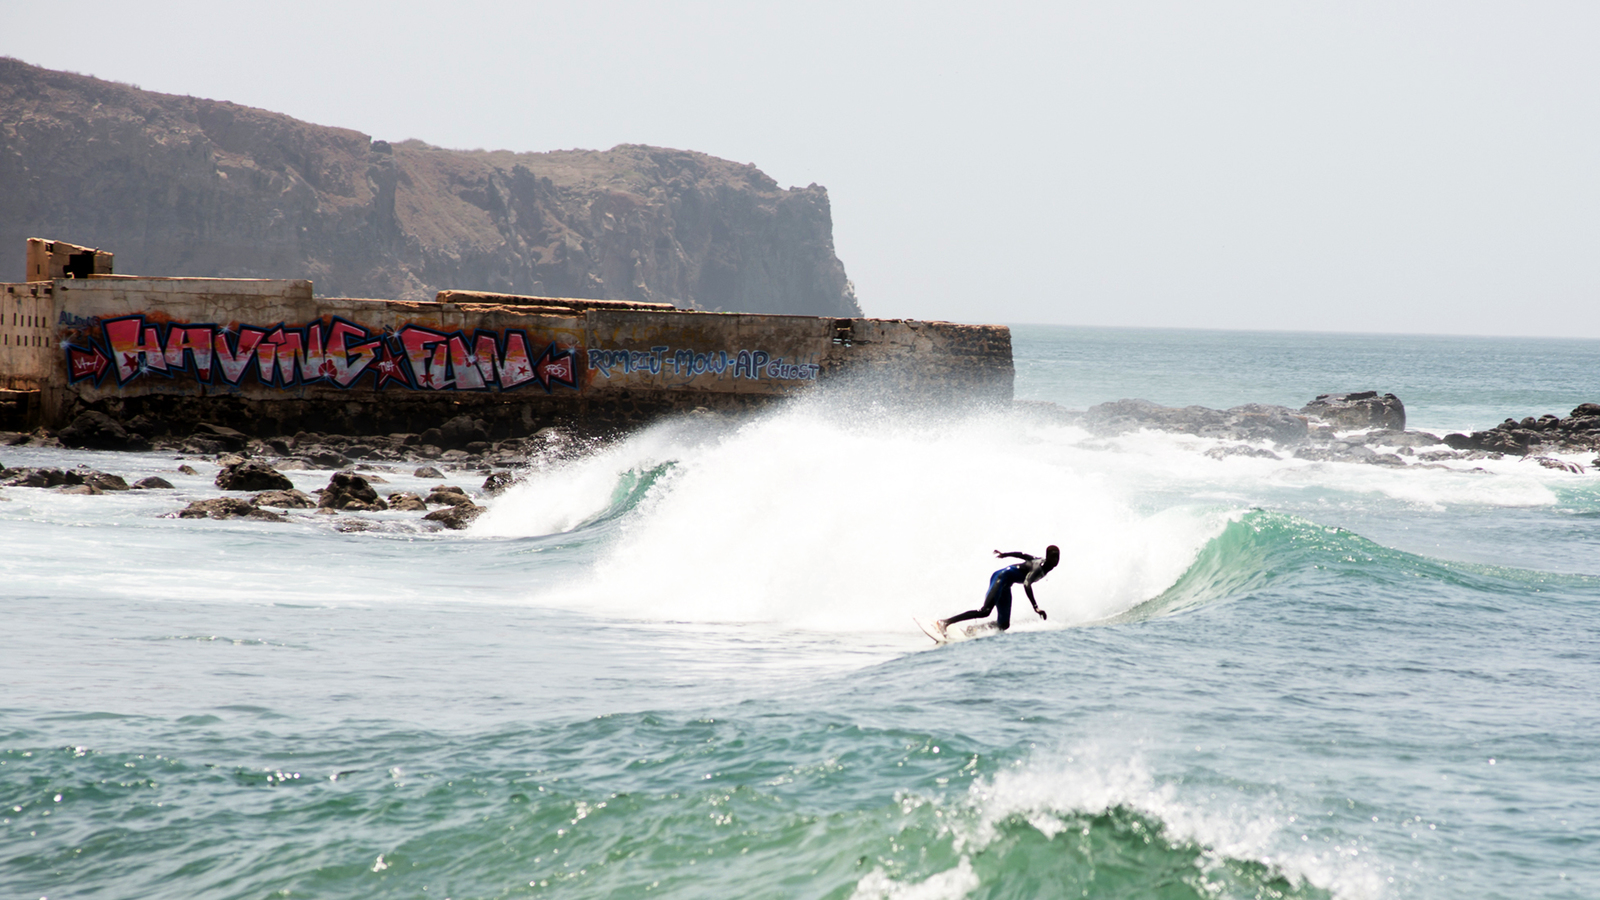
[1028,588]
[1015,554]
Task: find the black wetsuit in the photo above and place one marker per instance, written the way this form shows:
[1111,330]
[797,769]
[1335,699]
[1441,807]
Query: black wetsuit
[1031,569]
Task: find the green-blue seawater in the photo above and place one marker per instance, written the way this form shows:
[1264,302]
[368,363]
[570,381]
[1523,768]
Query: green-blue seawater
[683,664]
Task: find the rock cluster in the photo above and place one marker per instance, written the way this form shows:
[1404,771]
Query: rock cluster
[1359,427]
[1355,411]
[73,481]
[1363,427]
[1578,431]
[347,491]
[1250,422]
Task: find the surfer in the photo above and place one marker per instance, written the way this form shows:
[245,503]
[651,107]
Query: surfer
[1031,569]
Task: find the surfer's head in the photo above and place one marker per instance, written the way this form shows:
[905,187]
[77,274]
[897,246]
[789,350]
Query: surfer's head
[1052,555]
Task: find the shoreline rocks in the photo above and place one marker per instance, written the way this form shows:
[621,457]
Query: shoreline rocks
[1577,432]
[1343,427]
[1358,410]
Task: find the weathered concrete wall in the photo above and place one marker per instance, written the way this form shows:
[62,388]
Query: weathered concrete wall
[267,357]
[27,330]
[49,260]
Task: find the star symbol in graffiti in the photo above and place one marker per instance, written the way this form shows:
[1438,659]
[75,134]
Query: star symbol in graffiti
[522,370]
[327,370]
[130,360]
[389,369]
[427,379]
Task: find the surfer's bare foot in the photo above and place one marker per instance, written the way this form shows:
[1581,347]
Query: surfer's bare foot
[939,626]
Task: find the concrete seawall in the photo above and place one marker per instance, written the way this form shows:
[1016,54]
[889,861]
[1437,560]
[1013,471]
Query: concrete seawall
[267,357]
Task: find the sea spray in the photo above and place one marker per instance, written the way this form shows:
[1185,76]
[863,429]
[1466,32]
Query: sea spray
[799,520]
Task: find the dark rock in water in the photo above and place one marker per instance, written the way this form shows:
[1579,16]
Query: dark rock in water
[229,438]
[405,501]
[290,499]
[1340,451]
[85,489]
[347,490]
[497,482]
[187,470]
[202,447]
[455,517]
[1240,450]
[226,508]
[1579,431]
[1122,416]
[1263,422]
[427,472]
[253,475]
[43,478]
[326,458]
[1358,410]
[461,431]
[432,436]
[1550,462]
[105,481]
[1402,439]
[98,431]
[478,448]
[449,495]
[1250,422]
[359,451]
[153,483]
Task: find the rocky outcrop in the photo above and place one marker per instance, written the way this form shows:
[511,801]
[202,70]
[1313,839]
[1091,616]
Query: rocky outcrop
[1577,432]
[252,475]
[1361,409]
[349,491]
[1250,422]
[98,431]
[49,477]
[227,508]
[186,186]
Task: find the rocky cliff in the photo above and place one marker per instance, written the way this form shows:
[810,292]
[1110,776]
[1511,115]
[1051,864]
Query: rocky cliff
[184,186]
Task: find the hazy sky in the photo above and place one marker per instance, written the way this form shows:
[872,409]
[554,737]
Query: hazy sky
[1351,166]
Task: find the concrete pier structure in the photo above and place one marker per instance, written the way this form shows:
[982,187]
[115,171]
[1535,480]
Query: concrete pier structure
[269,357]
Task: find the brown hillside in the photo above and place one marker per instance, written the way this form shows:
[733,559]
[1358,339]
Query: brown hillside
[184,186]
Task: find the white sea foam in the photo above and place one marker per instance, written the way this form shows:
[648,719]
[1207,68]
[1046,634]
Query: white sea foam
[1053,792]
[822,517]
[801,520]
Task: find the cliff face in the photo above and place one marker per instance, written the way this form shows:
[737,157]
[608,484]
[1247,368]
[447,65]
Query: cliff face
[184,186]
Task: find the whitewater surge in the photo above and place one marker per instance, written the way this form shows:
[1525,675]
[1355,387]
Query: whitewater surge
[819,517]
[806,521]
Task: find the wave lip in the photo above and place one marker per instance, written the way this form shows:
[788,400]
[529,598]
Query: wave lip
[1097,827]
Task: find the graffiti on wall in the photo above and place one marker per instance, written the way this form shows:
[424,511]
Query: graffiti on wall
[689,363]
[337,352]
[344,354]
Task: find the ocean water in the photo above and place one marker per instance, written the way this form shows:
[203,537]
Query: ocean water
[683,664]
